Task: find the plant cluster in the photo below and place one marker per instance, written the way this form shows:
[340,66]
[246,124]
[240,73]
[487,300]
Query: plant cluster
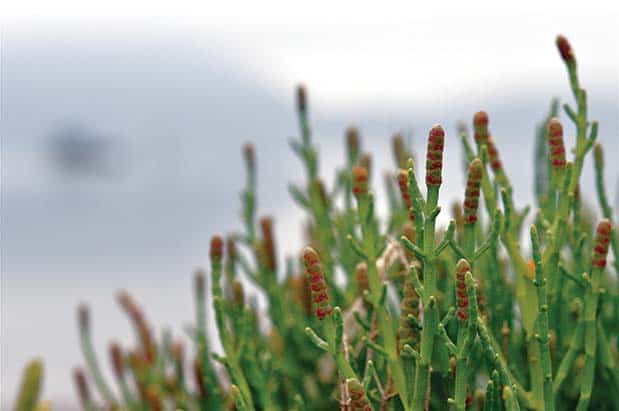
[486,313]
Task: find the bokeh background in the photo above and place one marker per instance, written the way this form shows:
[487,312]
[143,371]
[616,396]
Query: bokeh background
[121,138]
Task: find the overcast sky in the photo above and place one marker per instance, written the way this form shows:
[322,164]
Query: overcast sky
[176,96]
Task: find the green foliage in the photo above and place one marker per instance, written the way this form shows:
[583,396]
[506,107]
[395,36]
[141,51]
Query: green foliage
[457,317]
[30,389]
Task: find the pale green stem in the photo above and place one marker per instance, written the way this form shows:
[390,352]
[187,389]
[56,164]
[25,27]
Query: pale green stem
[430,320]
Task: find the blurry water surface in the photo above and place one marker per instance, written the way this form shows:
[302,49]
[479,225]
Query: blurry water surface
[121,157]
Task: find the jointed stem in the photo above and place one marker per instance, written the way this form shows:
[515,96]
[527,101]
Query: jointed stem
[385,325]
[91,359]
[542,324]
[422,374]
[607,211]
[590,330]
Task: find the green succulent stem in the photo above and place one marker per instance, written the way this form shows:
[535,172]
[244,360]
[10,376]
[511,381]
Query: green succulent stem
[467,333]
[461,371]
[469,242]
[506,378]
[93,365]
[583,144]
[320,214]
[208,374]
[486,185]
[385,322]
[30,388]
[334,330]
[607,210]
[430,323]
[542,323]
[466,336]
[592,295]
[567,362]
[232,352]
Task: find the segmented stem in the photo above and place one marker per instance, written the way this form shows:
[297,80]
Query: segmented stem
[542,323]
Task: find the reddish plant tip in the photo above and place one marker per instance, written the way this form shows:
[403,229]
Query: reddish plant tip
[314,272]
[198,377]
[366,162]
[493,156]
[126,302]
[178,351]
[358,398]
[471,194]
[117,360]
[469,397]
[140,324]
[268,243]
[398,143]
[132,309]
[238,295]
[360,181]
[434,156]
[301,98]
[480,125]
[407,333]
[456,212]
[437,132]
[565,49]
[462,299]
[598,155]
[266,223]
[406,196]
[600,245]
[399,150]
[154,399]
[480,119]
[555,143]
[217,249]
[230,248]
[352,140]
[83,316]
[361,275]
[310,257]
[83,392]
[249,154]
[555,129]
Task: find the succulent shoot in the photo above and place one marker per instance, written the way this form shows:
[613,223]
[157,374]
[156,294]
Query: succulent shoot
[314,272]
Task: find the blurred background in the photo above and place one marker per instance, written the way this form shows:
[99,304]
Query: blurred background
[121,137]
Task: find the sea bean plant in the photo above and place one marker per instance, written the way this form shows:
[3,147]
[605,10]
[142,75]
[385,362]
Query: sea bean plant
[506,307]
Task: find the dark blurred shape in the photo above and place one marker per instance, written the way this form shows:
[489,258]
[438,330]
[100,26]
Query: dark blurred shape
[75,151]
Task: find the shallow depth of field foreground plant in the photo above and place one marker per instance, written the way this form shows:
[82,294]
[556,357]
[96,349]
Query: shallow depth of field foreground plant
[487,313]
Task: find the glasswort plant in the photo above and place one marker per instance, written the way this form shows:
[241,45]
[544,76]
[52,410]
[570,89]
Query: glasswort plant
[474,315]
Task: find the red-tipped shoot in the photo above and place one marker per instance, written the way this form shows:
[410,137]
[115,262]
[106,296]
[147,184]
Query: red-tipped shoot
[555,144]
[600,245]
[434,156]
[314,272]
[360,181]
[462,299]
[471,195]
